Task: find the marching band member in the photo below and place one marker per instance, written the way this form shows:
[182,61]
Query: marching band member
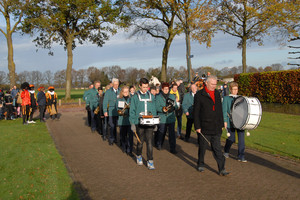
[110,104]
[123,121]
[33,101]
[178,112]
[165,107]
[208,122]
[187,107]
[92,99]
[88,110]
[226,105]
[100,114]
[51,99]
[143,103]
[25,102]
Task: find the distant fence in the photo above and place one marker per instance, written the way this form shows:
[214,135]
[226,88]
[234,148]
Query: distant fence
[273,87]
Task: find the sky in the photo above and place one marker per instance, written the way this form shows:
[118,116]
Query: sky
[142,53]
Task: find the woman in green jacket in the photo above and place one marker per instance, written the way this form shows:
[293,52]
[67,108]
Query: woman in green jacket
[126,134]
[226,106]
[167,117]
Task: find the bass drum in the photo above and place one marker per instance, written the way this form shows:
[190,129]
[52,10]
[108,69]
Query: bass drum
[246,113]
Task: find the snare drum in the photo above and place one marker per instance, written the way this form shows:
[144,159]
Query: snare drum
[246,113]
[149,120]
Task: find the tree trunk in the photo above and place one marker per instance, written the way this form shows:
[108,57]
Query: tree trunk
[164,66]
[69,68]
[244,47]
[188,55]
[10,56]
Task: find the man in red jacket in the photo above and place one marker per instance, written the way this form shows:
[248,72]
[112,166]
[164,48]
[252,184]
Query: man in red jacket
[208,122]
[25,96]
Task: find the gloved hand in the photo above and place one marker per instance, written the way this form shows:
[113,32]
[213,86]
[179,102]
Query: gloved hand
[133,127]
[88,108]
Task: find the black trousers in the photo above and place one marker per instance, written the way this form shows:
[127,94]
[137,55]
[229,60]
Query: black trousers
[189,124]
[215,141]
[42,109]
[145,133]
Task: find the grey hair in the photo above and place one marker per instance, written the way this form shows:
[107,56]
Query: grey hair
[211,77]
[115,80]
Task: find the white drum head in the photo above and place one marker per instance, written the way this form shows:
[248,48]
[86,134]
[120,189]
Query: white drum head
[246,113]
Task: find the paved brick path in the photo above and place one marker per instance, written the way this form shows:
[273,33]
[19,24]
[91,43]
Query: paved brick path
[100,171]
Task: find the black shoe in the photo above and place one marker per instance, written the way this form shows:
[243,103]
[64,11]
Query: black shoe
[104,138]
[186,139]
[130,154]
[111,143]
[224,173]
[200,169]
[182,137]
[159,147]
[93,131]
[173,151]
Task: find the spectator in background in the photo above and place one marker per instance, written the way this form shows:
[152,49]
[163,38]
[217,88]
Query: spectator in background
[14,93]
[8,100]
[33,105]
[25,102]
[51,98]
[225,89]
[41,100]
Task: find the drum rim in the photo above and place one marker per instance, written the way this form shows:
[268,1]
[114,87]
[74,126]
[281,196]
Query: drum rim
[248,110]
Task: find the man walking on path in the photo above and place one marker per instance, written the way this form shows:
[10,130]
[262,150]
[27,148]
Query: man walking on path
[208,122]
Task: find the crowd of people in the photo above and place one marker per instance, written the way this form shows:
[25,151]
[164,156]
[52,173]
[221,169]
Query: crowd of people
[23,103]
[150,112]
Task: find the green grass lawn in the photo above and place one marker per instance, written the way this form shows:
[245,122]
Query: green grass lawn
[30,166]
[277,134]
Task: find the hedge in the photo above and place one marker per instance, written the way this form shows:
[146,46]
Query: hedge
[274,87]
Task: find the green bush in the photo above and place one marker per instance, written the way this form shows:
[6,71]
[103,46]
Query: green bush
[273,87]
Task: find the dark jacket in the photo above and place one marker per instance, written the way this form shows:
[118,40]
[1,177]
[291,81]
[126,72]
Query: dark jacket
[41,98]
[205,118]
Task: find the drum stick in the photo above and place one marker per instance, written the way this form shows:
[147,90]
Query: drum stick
[205,138]
[137,137]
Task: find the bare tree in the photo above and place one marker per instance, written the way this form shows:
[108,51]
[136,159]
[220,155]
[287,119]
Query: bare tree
[36,78]
[2,77]
[277,67]
[48,77]
[60,78]
[23,76]
[156,18]
[82,76]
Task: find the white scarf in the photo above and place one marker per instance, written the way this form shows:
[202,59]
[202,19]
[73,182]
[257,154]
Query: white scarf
[52,93]
[32,91]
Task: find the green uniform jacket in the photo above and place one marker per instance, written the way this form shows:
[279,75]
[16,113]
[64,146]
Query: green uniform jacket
[92,98]
[110,102]
[226,107]
[137,106]
[188,104]
[165,118]
[85,96]
[123,120]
